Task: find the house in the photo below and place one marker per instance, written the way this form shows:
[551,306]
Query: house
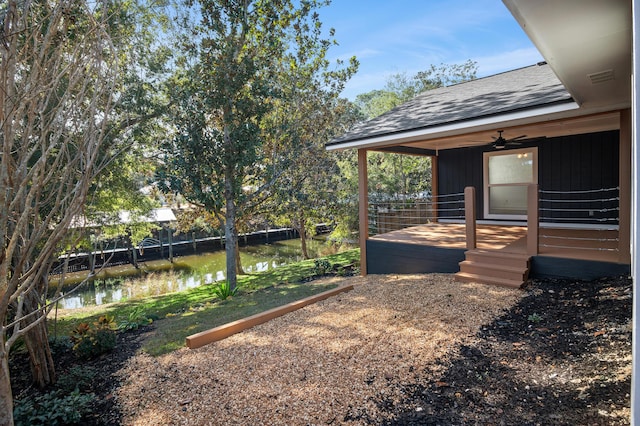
[531,168]
[592,47]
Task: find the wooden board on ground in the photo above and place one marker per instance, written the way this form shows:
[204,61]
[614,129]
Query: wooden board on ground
[218,333]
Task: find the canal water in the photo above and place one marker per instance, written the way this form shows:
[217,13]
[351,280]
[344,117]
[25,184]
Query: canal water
[189,272]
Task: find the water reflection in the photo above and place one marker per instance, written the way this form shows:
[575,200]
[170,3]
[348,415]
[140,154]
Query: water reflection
[189,272]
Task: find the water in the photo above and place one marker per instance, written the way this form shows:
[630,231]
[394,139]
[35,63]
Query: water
[189,272]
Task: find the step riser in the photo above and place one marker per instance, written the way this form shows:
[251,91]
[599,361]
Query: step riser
[496,268]
[495,260]
[486,270]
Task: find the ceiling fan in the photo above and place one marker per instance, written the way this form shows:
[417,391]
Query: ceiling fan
[500,142]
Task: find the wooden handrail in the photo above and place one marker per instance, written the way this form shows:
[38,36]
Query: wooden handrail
[470,216]
[533,220]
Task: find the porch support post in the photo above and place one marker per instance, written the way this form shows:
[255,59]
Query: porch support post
[470,216]
[434,188]
[624,214]
[533,220]
[363,207]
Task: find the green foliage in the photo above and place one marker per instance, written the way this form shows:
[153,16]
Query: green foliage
[136,319]
[60,344]
[78,377]
[223,290]
[92,341]
[255,90]
[53,409]
[289,281]
[321,266]
[398,177]
[535,318]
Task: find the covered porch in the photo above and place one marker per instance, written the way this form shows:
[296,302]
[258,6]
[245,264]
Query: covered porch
[501,252]
[586,244]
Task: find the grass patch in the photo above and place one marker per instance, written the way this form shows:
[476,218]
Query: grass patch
[171,333]
[181,314]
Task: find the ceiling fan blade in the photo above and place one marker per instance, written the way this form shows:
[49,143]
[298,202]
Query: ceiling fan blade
[516,138]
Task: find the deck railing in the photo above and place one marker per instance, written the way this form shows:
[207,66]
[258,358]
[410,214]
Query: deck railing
[597,210]
[593,207]
[392,215]
[590,218]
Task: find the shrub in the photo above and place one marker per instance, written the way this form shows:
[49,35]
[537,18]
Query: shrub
[53,409]
[60,344]
[321,266]
[89,342]
[137,318]
[78,377]
[223,290]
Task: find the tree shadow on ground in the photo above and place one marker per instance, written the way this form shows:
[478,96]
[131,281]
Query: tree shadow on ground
[561,356]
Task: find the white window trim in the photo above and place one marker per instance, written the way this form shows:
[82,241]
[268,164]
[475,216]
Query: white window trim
[485,183]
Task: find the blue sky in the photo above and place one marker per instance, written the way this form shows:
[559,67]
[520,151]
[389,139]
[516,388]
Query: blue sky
[392,36]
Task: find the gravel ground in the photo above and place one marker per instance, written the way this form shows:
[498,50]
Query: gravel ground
[329,363]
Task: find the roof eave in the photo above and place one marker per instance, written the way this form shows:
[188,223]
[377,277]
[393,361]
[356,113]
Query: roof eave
[511,118]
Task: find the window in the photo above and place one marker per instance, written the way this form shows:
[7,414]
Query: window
[506,177]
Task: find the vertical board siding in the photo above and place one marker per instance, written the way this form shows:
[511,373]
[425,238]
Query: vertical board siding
[579,163]
[568,163]
[457,169]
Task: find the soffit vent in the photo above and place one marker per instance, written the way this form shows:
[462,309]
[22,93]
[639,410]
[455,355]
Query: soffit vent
[601,77]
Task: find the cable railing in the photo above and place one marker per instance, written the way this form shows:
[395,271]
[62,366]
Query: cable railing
[392,215]
[595,206]
[594,214]
[559,223]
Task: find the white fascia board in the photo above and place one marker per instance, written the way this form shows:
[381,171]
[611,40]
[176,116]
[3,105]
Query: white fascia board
[453,129]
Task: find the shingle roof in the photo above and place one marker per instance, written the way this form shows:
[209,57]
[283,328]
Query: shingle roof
[525,88]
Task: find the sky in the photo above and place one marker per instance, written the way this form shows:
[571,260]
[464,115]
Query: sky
[397,36]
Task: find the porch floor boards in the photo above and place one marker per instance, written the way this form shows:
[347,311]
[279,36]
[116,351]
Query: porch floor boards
[585,244]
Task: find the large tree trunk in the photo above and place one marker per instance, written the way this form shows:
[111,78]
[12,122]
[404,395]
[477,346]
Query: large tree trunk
[6,396]
[37,342]
[239,269]
[303,235]
[230,230]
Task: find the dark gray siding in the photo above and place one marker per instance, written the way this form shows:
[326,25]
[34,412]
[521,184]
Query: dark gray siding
[385,257]
[570,163]
[579,163]
[556,267]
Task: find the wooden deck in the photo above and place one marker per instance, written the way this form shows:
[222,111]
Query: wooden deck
[583,244]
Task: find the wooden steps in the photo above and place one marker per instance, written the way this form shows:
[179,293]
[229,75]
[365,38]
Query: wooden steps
[494,267]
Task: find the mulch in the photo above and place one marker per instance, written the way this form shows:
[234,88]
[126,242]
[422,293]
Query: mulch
[561,355]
